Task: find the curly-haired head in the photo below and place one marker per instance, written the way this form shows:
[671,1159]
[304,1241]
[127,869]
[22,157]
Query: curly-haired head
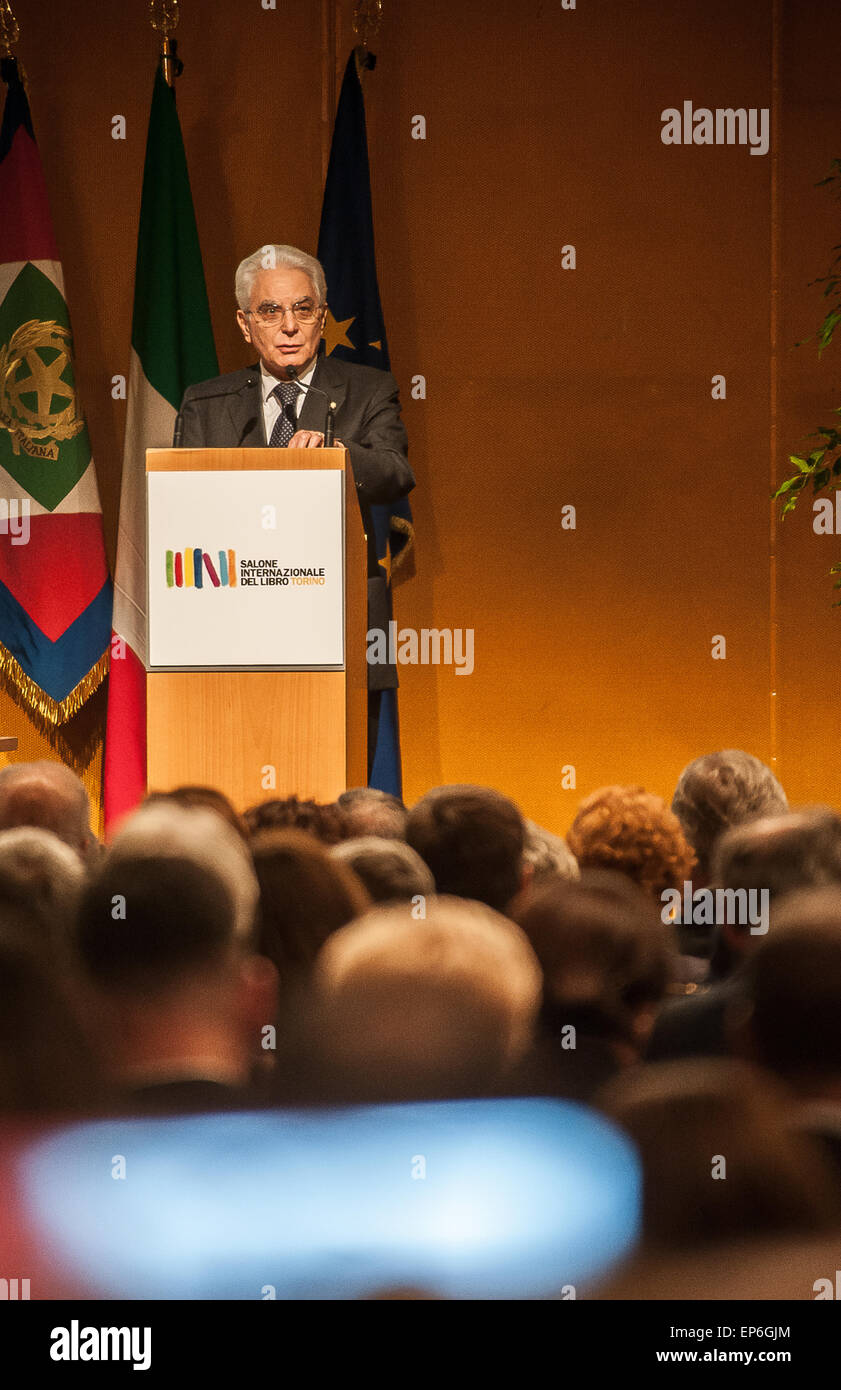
[633,831]
[324,821]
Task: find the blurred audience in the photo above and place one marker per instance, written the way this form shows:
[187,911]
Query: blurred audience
[792,1012]
[547,856]
[606,963]
[473,840]
[367,812]
[390,869]
[49,796]
[718,791]
[427,1007]
[42,878]
[208,797]
[324,821]
[165,936]
[306,953]
[631,831]
[720,1159]
[634,832]
[47,1062]
[771,857]
[305,895]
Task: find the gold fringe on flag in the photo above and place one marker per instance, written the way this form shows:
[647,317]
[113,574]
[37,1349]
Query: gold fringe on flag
[45,710]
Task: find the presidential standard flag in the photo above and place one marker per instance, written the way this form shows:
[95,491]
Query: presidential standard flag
[356,332]
[171,348]
[55,592]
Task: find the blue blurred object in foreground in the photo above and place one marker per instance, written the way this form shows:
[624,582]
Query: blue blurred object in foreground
[464,1199]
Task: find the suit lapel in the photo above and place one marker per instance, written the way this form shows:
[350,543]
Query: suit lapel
[313,413]
[245,409]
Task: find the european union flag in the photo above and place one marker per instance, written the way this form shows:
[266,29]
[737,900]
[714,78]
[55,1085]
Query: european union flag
[346,250]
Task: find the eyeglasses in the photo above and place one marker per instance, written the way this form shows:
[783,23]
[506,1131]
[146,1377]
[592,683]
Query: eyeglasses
[304,312]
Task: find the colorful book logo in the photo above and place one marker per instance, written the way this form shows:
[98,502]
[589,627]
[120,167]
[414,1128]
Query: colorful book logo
[186,569]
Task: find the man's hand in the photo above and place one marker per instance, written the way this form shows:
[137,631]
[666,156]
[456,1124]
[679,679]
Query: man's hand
[307,439]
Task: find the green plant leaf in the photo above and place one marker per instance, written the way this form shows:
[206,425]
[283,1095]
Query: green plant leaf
[791,485]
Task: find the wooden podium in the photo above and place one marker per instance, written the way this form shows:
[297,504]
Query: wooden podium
[257,734]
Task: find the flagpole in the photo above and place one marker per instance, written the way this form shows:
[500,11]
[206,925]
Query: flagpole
[163,16]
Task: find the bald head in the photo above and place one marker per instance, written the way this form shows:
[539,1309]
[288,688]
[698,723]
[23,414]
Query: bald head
[49,796]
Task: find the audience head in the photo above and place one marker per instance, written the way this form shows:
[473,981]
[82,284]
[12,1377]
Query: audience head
[390,869]
[43,878]
[46,1062]
[326,822]
[436,1006]
[604,955]
[781,853]
[49,796]
[369,812]
[773,856]
[547,856]
[208,797]
[718,1157]
[172,903]
[473,839]
[165,935]
[166,830]
[793,983]
[720,790]
[634,832]
[305,895]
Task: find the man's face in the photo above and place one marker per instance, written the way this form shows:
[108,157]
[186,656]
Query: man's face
[286,342]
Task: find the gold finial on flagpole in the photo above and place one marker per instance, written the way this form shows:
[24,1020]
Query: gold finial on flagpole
[367,17]
[9,31]
[163,15]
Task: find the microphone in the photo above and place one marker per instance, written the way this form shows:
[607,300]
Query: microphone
[292,373]
[179,430]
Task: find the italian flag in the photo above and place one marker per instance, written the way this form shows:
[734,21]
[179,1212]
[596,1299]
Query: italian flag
[55,592]
[171,348]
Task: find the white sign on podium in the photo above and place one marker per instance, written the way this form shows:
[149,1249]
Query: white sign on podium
[245,570]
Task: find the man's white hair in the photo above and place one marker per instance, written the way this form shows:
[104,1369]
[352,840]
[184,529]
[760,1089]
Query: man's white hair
[474,958]
[165,830]
[39,862]
[546,853]
[271,258]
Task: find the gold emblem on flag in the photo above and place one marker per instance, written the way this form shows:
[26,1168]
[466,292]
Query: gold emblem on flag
[38,429]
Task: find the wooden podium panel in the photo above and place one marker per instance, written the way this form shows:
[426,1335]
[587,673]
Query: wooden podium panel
[227,728]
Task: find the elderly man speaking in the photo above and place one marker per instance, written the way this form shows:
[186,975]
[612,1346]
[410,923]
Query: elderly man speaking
[282,402]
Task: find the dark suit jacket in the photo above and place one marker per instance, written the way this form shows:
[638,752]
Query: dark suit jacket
[227,413]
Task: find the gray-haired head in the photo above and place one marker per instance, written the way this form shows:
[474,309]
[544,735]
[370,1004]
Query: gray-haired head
[783,854]
[44,877]
[390,869]
[720,790]
[369,811]
[547,855]
[272,257]
[165,830]
[50,796]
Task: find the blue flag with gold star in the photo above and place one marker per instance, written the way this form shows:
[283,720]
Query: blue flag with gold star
[356,332]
